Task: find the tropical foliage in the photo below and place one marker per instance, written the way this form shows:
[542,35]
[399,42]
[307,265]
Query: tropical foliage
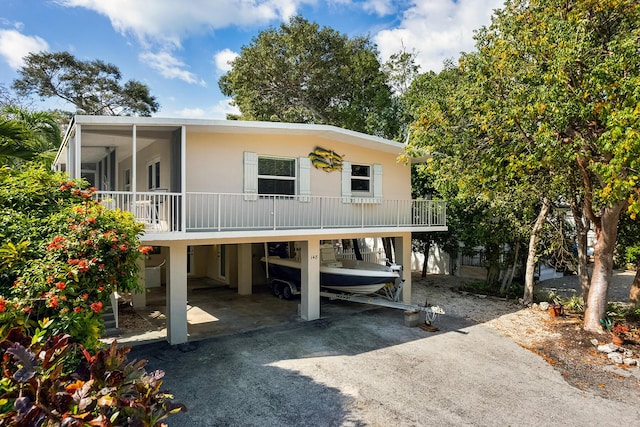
[40,387]
[62,254]
[28,135]
[548,107]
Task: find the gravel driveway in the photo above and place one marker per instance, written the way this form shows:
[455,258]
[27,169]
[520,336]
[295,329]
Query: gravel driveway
[368,369]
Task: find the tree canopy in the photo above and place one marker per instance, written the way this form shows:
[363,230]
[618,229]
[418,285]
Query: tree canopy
[302,73]
[550,95]
[94,87]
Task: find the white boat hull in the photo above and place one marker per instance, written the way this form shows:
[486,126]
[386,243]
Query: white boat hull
[351,276]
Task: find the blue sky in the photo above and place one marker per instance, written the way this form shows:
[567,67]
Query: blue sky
[180,48]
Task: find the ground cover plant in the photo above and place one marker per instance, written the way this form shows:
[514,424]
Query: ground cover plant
[38,387]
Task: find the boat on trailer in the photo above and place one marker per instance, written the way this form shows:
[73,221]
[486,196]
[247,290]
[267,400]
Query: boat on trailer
[344,275]
[347,280]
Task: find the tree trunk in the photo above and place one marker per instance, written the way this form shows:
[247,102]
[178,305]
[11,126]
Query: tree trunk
[634,292]
[427,247]
[387,244]
[493,267]
[356,249]
[531,255]
[508,276]
[606,234]
[582,229]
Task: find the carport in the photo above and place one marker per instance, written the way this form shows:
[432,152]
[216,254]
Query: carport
[179,295]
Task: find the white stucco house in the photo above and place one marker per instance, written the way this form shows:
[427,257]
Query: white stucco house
[211,192]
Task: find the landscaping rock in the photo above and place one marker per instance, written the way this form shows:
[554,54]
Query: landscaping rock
[616,357]
[608,348]
[544,306]
[595,342]
[629,361]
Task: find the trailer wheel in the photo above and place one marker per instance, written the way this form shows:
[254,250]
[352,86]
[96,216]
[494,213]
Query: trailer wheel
[286,292]
[277,289]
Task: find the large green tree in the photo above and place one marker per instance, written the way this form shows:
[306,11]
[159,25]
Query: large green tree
[553,89]
[499,208]
[302,73]
[93,87]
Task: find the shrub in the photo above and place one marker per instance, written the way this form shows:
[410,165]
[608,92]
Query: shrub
[45,384]
[62,255]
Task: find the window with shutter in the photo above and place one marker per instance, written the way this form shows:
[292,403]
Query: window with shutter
[361,183]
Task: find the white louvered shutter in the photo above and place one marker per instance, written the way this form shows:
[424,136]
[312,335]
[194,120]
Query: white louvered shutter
[250,176]
[377,183]
[304,182]
[346,182]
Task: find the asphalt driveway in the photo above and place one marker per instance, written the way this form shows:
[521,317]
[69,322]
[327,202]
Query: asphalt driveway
[368,369]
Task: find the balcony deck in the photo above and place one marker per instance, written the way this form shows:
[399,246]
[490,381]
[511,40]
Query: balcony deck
[217,212]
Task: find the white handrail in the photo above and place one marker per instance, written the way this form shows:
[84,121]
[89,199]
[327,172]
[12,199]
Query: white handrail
[162,212]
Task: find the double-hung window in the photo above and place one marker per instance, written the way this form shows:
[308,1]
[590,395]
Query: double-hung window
[276,175]
[361,180]
[361,183]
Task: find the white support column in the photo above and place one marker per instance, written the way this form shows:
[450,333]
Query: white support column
[403,257]
[77,167]
[183,179]
[310,270]
[245,275]
[139,299]
[134,169]
[177,294]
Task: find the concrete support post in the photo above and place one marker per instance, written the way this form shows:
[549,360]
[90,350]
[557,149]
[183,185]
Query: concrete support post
[403,257]
[245,275]
[177,294]
[310,299]
[139,299]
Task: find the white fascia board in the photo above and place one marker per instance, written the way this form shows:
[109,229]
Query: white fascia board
[260,236]
[252,127]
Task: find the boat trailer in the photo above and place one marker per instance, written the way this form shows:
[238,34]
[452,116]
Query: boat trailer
[388,296]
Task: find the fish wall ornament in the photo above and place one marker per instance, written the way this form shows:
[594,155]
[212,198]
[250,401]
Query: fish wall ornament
[324,159]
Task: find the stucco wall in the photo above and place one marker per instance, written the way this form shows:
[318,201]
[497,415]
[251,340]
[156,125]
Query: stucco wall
[215,162]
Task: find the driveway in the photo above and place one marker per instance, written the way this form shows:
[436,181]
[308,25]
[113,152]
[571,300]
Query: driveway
[368,369]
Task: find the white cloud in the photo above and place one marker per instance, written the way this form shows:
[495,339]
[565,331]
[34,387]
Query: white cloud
[170,67]
[218,111]
[437,30]
[223,60]
[170,20]
[14,46]
[379,7]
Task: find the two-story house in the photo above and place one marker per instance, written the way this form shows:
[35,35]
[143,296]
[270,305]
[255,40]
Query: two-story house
[212,192]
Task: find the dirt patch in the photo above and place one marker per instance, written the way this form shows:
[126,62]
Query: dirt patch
[560,341]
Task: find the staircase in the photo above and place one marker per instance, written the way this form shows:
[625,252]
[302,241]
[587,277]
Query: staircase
[110,318]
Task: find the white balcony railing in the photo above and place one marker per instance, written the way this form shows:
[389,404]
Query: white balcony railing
[229,212]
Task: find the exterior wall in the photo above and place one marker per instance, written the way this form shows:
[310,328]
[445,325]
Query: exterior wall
[159,150]
[438,262]
[122,167]
[215,162]
[202,258]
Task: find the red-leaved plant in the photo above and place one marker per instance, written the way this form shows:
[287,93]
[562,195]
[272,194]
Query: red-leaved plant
[45,383]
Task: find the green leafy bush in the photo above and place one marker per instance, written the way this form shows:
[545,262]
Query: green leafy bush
[62,254]
[45,384]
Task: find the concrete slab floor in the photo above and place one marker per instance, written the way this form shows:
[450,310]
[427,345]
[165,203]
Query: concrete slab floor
[217,310]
